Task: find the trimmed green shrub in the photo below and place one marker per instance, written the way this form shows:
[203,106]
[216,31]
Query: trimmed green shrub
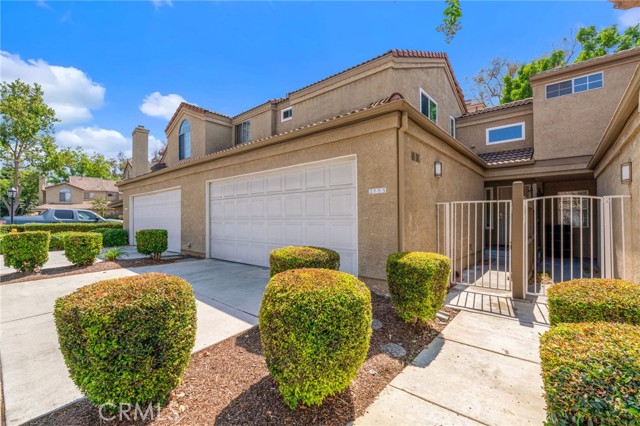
[57,241]
[590,300]
[293,257]
[127,340]
[153,242]
[82,248]
[591,374]
[315,327]
[113,237]
[418,283]
[54,228]
[25,251]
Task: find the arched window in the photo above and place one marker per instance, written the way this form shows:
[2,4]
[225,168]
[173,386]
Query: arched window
[65,196]
[184,140]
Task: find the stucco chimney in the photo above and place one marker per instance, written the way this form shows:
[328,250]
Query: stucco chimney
[140,151]
[42,183]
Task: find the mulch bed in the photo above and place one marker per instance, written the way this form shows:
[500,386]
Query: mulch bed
[229,384]
[64,271]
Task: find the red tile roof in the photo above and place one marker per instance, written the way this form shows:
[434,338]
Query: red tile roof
[507,157]
[192,108]
[513,104]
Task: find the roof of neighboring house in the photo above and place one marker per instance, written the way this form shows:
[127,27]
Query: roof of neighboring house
[513,104]
[93,184]
[586,63]
[507,157]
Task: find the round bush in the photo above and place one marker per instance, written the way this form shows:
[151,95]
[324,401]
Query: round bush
[127,340]
[418,283]
[82,248]
[25,251]
[152,242]
[292,257]
[589,300]
[315,327]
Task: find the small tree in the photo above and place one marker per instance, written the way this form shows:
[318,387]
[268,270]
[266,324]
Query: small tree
[99,205]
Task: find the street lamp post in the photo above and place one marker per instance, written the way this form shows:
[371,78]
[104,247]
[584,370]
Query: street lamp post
[12,192]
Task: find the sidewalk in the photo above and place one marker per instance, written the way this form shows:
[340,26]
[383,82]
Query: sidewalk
[484,369]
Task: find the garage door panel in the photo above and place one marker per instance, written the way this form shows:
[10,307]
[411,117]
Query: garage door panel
[160,210]
[305,205]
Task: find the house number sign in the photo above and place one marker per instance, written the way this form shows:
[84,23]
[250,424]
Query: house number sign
[374,191]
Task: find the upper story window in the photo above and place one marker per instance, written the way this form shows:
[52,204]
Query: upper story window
[286,114]
[508,133]
[184,140]
[428,106]
[64,196]
[575,85]
[452,126]
[243,132]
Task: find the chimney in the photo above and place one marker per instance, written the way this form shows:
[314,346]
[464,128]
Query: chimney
[42,183]
[140,151]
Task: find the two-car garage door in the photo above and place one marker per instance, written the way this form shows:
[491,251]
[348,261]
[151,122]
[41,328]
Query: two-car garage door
[312,204]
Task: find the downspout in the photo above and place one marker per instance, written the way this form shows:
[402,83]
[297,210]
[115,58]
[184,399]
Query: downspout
[401,143]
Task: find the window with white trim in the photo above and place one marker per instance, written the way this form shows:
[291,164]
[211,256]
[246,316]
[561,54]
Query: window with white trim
[243,132]
[508,133]
[575,85]
[452,126]
[184,140]
[428,106]
[573,208]
[286,114]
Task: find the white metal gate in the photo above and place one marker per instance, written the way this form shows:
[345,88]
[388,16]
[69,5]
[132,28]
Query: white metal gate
[476,236]
[573,236]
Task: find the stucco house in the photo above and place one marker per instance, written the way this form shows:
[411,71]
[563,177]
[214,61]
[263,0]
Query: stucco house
[78,193]
[359,161]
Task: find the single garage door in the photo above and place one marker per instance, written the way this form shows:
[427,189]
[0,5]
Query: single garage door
[159,210]
[312,204]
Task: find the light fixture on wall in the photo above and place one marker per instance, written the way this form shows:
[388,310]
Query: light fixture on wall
[437,168]
[625,172]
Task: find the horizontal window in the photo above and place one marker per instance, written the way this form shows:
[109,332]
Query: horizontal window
[576,85]
[286,114]
[508,133]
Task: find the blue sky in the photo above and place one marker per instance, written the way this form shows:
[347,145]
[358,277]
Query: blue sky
[109,66]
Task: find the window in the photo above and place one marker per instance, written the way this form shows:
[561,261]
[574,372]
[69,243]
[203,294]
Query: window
[184,140]
[243,132]
[428,106]
[286,114]
[86,216]
[573,208]
[576,85]
[65,196]
[508,133]
[452,126]
[63,214]
[488,209]
[89,195]
[110,194]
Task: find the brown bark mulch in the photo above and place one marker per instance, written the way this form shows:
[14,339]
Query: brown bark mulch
[63,271]
[229,384]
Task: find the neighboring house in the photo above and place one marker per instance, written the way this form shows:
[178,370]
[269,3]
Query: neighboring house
[358,160]
[78,193]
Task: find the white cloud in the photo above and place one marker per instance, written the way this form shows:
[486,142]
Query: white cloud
[160,3]
[69,91]
[154,143]
[159,105]
[629,18]
[103,141]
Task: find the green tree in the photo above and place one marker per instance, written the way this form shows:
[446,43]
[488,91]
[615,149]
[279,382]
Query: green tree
[518,87]
[594,43]
[67,162]
[99,205]
[26,130]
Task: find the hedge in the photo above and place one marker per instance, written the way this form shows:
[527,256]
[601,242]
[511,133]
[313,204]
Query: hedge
[315,327]
[113,237]
[418,283]
[591,374]
[25,251]
[589,300]
[57,241]
[82,248]
[54,228]
[152,242]
[292,257]
[127,340]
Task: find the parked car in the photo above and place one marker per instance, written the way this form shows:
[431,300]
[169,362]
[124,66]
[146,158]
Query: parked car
[60,215]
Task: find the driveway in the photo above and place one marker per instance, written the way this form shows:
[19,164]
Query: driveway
[34,377]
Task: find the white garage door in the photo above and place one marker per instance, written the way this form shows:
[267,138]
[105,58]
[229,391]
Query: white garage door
[313,204]
[160,210]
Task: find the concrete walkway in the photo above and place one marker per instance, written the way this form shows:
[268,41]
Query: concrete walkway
[34,377]
[483,369]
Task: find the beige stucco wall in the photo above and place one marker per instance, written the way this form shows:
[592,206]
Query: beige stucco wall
[374,144]
[472,130]
[626,149]
[261,123]
[53,194]
[572,125]
[217,137]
